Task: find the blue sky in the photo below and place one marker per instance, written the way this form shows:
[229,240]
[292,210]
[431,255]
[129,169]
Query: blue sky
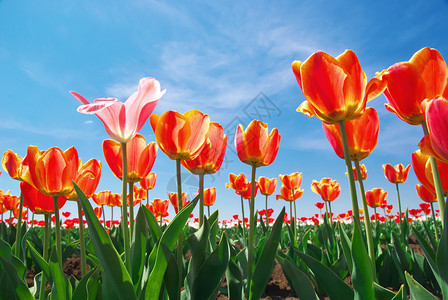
[213,56]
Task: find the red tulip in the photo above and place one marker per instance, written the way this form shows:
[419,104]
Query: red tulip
[101,198]
[160,207]
[286,194]
[12,163]
[320,205]
[375,197]
[426,194]
[238,183]
[247,193]
[149,181]
[173,200]
[327,188]
[10,202]
[124,120]
[291,181]
[362,169]
[209,196]
[37,202]
[267,186]
[87,177]
[98,212]
[396,175]
[336,89]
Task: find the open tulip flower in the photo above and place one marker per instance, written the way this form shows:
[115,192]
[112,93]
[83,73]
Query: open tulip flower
[238,182]
[425,193]
[159,208]
[286,194]
[423,170]
[87,177]
[399,174]
[362,135]
[12,164]
[10,202]
[408,83]
[255,146]
[140,157]
[173,200]
[101,198]
[37,202]
[247,193]
[327,188]
[376,197]
[181,136]
[124,120]
[291,181]
[149,181]
[436,116]
[336,88]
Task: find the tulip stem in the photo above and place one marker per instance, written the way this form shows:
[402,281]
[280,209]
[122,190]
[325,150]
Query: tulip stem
[435,222]
[19,228]
[104,215]
[124,211]
[295,218]
[250,255]
[330,215]
[111,217]
[399,205]
[57,229]
[131,208]
[201,199]
[437,181]
[351,178]
[266,212]
[180,239]
[43,280]
[81,240]
[365,207]
[208,210]
[147,198]
[32,220]
[244,222]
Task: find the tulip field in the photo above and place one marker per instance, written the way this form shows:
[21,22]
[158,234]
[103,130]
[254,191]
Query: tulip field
[379,249]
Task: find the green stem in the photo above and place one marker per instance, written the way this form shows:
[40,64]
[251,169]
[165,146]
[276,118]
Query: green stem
[330,216]
[161,221]
[19,228]
[437,182]
[435,222]
[201,199]
[81,240]
[57,230]
[104,215]
[208,210]
[32,220]
[290,211]
[45,255]
[111,217]
[399,205]
[266,212]
[131,208]
[351,178]
[370,246]
[250,258]
[147,198]
[326,211]
[180,240]
[295,218]
[124,211]
[244,223]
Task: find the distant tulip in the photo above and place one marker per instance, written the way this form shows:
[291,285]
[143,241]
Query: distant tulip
[375,197]
[336,89]
[291,181]
[87,178]
[160,207]
[286,194]
[327,188]
[238,182]
[396,175]
[101,198]
[267,186]
[209,196]
[247,193]
[149,181]
[173,200]
[124,120]
[12,164]
[363,171]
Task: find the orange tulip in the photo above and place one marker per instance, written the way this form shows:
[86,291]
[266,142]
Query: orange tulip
[426,194]
[149,181]
[362,169]
[114,200]
[396,175]
[327,188]
[362,135]
[291,181]
[238,183]
[424,76]
[375,197]
[336,89]
[209,196]
[160,207]
[267,186]
[98,212]
[255,146]
[423,171]
[286,194]
[173,200]
[10,202]
[102,198]
[37,202]
[16,211]
[247,193]
[12,163]
[51,172]
[140,157]
[436,142]
[87,178]
[181,136]
[211,156]
[139,195]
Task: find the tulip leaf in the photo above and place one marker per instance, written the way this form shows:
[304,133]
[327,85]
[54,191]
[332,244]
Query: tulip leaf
[299,281]
[61,289]
[6,253]
[264,264]
[234,277]
[93,285]
[171,277]
[12,286]
[154,228]
[430,236]
[382,293]
[442,257]
[138,248]
[335,287]
[400,295]
[80,292]
[153,284]
[108,256]
[416,290]
[41,262]
[211,272]
[362,277]
[346,246]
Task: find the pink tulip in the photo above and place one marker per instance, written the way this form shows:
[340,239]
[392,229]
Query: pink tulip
[436,142]
[123,120]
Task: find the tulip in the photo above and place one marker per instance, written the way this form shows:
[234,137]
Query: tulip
[10,202]
[98,212]
[209,198]
[12,164]
[247,194]
[336,89]
[238,183]
[291,181]
[375,198]
[208,161]
[148,183]
[396,175]
[423,170]
[173,199]
[286,194]
[429,196]
[319,205]
[362,135]
[267,188]
[327,188]
[362,169]
[160,208]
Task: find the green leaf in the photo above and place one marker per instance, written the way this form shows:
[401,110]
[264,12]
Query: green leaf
[110,260]
[152,286]
[401,295]
[171,277]
[416,290]
[12,287]
[299,281]
[93,285]
[6,253]
[80,292]
[61,289]
[154,228]
[138,248]
[234,277]
[382,293]
[430,236]
[346,246]
[41,262]
[263,266]
[442,257]
[335,287]
[362,277]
